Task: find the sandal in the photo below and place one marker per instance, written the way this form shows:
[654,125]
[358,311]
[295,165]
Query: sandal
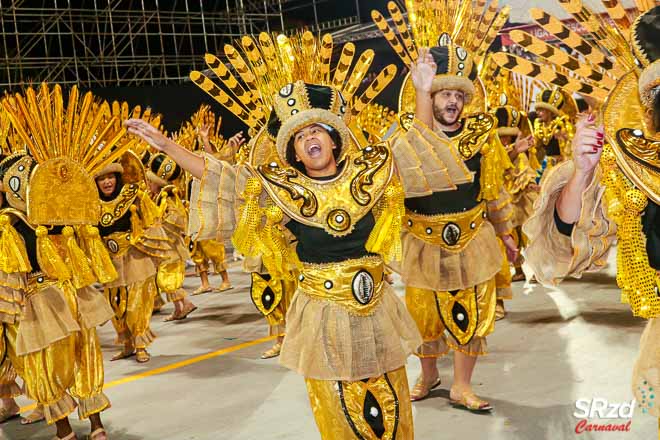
[34,417]
[471,402]
[500,312]
[187,311]
[9,413]
[274,351]
[200,290]
[124,354]
[421,390]
[96,433]
[142,356]
[225,286]
[71,436]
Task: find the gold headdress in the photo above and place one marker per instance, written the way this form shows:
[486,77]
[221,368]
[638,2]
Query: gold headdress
[460,31]
[70,142]
[267,68]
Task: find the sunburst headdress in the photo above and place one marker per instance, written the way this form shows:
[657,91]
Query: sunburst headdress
[459,33]
[274,79]
[70,141]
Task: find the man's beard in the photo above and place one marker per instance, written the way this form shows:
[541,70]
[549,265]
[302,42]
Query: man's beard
[438,115]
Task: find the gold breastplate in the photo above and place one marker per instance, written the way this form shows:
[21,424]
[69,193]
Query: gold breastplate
[475,133]
[335,205]
[116,208]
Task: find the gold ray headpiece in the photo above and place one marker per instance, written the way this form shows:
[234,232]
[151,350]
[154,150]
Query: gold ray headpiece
[603,56]
[261,66]
[467,26]
[69,141]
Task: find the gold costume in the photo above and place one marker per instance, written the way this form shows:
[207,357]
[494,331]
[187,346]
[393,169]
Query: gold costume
[51,342]
[621,200]
[174,218]
[346,331]
[450,251]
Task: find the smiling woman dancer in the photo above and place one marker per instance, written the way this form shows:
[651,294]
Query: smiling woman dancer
[347,332]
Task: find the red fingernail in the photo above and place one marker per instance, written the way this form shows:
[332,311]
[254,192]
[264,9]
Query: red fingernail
[591,118]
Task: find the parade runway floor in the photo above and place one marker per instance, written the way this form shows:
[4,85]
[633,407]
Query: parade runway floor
[206,381]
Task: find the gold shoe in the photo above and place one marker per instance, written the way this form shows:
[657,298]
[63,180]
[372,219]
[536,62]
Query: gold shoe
[421,390]
[9,413]
[124,354]
[34,417]
[500,312]
[274,351]
[142,356]
[200,290]
[226,285]
[471,402]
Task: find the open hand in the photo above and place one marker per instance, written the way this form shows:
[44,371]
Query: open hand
[422,71]
[587,145]
[523,144]
[203,132]
[148,133]
[236,140]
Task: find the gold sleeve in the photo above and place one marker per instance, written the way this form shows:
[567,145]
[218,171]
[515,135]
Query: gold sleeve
[500,213]
[427,162]
[212,215]
[554,256]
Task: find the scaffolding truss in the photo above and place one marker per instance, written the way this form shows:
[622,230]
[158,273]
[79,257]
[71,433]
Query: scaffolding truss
[101,43]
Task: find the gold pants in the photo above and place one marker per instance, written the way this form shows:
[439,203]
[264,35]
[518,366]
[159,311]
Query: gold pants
[373,409]
[206,250]
[468,316]
[72,366]
[133,306]
[10,364]
[170,278]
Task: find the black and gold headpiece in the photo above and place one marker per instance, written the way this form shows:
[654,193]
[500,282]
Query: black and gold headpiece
[551,100]
[163,170]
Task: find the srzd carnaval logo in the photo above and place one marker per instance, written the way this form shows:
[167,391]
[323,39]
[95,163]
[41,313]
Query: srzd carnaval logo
[619,415]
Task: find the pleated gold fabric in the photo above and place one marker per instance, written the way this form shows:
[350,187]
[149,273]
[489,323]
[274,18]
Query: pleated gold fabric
[551,255]
[12,287]
[133,306]
[170,279]
[327,340]
[432,267]
[432,312]
[132,267]
[50,315]
[339,407]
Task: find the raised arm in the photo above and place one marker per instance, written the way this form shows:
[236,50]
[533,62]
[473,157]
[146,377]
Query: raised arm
[187,160]
[587,148]
[422,72]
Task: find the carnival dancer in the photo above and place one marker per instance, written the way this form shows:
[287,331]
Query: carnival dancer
[610,190]
[55,348]
[451,254]
[347,332]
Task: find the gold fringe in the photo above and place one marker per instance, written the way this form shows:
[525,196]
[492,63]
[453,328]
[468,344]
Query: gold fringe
[246,235]
[99,257]
[385,237]
[82,274]
[50,261]
[13,255]
[493,164]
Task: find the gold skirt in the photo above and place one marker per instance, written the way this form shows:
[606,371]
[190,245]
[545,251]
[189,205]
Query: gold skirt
[345,323]
[377,408]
